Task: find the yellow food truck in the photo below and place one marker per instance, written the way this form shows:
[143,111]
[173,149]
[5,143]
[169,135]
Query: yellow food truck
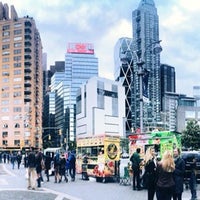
[98,157]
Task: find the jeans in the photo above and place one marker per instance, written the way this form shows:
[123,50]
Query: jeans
[164,193]
[193,186]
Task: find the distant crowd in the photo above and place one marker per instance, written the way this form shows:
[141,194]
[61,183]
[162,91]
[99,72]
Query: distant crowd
[61,166]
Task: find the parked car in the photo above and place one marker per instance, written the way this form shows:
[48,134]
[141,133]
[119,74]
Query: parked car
[188,157]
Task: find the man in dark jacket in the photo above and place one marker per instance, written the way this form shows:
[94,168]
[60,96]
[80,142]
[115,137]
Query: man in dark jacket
[72,165]
[178,175]
[31,170]
[136,160]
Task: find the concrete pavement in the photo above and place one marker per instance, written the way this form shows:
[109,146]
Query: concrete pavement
[13,186]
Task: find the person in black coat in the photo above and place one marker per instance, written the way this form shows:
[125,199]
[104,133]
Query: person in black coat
[178,175]
[150,172]
[47,163]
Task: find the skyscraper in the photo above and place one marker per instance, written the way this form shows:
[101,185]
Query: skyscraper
[21,81]
[123,58]
[145,33]
[80,65]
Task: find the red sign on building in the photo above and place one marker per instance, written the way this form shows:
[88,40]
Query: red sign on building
[82,48]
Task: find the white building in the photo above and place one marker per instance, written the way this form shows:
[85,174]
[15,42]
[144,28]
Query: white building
[100,108]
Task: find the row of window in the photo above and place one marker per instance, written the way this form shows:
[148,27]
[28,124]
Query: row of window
[16,65]
[5,142]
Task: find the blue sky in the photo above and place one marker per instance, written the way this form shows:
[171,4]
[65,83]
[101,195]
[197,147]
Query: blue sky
[103,22]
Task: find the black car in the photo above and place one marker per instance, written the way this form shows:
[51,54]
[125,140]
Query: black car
[189,157]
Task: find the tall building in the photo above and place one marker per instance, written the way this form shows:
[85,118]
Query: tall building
[80,65]
[21,81]
[145,25]
[123,73]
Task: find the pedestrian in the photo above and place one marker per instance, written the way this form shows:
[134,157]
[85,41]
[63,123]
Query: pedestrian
[72,165]
[165,180]
[193,178]
[19,159]
[56,163]
[4,157]
[150,172]
[178,175]
[47,163]
[63,168]
[13,160]
[31,170]
[39,160]
[136,161]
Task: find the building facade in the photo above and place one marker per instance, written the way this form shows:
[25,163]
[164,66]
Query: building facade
[100,108]
[145,24]
[21,81]
[80,65]
[123,58]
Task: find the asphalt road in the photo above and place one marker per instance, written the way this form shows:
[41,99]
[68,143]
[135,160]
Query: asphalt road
[13,186]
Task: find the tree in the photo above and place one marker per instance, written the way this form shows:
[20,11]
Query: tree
[191,136]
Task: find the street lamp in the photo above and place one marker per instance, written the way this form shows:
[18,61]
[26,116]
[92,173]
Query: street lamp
[141,72]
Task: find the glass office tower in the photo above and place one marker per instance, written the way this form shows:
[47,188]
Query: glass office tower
[146,32]
[80,65]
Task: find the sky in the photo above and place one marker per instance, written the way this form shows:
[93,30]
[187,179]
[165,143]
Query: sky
[103,22]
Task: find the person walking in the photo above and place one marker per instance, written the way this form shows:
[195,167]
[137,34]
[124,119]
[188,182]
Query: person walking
[193,179]
[136,160]
[150,172]
[39,158]
[178,175]
[19,159]
[56,163]
[13,160]
[63,168]
[31,169]
[72,165]
[47,163]
[165,180]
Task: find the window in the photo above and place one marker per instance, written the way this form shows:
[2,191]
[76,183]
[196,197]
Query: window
[6,40]
[5,66]
[17,94]
[17,86]
[4,110]
[5,73]
[6,33]
[17,25]
[4,142]
[16,142]
[17,72]
[17,65]
[5,46]
[17,51]
[5,59]
[5,125]
[16,132]
[5,53]
[5,102]
[17,38]
[6,27]
[17,44]
[17,79]
[17,32]
[5,80]
[5,95]
[4,134]
[17,109]
[17,125]
[17,58]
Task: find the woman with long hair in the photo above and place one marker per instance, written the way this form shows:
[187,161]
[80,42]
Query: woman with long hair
[150,172]
[165,181]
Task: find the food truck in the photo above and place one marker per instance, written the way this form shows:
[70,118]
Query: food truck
[161,140]
[98,157]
